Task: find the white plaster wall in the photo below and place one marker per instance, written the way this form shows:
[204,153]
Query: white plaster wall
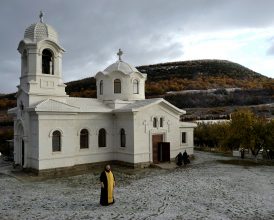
[189,145]
[32,59]
[94,122]
[25,128]
[47,124]
[71,154]
[125,121]
[33,143]
[144,130]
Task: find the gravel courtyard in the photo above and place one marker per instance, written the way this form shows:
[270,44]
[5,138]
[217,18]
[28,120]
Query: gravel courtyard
[206,189]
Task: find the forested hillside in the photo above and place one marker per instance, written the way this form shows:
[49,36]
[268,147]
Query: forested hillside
[167,80]
[185,75]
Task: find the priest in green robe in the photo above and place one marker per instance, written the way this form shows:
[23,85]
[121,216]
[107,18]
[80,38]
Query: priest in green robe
[107,185]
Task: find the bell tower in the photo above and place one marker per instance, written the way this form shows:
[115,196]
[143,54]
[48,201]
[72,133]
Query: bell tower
[41,64]
[41,78]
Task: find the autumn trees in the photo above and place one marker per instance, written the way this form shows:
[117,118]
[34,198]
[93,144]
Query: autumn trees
[6,133]
[6,103]
[211,135]
[245,130]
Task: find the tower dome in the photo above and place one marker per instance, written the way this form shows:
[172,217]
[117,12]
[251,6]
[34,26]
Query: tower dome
[121,66]
[40,31]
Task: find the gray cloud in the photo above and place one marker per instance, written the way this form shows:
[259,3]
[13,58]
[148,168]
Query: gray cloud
[270,51]
[92,31]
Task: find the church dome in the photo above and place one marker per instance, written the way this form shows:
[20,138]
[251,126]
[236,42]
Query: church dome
[40,31]
[122,67]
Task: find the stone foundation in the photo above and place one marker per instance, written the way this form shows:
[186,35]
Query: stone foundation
[82,168]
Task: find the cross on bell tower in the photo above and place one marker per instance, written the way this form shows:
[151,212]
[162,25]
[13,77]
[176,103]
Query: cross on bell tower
[120,53]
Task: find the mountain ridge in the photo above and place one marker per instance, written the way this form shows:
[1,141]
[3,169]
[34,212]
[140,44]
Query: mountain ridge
[183,75]
[194,68]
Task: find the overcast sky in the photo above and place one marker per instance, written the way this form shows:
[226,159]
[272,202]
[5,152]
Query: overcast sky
[148,31]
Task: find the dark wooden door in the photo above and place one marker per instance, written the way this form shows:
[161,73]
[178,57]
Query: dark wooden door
[164,152]
[156,138]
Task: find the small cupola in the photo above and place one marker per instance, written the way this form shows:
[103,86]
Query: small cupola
[120,81]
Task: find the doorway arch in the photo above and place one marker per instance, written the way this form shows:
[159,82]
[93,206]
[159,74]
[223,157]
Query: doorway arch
[20,150]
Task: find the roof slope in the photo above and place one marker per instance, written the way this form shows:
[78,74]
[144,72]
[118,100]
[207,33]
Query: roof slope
[51,105]
[141,104]
[88,105]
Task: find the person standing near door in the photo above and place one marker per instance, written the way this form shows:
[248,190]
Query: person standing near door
[186,158]
[107,180]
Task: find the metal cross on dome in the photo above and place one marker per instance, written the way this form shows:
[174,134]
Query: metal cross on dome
[41,15]
[120,53]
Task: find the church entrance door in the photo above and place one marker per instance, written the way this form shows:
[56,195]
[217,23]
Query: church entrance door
[23,152]
[156,138]
[19,147]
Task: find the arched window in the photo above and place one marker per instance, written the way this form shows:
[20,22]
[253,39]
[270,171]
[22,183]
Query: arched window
[155,122]
[101,87]
[117,86]
[56,141]
[102,138]
[161,122]
[123,137]
[84,138]
[135,86]
[183,137]
[47,62]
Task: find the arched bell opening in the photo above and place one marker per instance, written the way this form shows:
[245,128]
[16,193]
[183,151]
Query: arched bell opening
[47,62]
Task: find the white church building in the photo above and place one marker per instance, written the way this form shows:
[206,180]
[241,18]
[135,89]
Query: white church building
[54,131]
